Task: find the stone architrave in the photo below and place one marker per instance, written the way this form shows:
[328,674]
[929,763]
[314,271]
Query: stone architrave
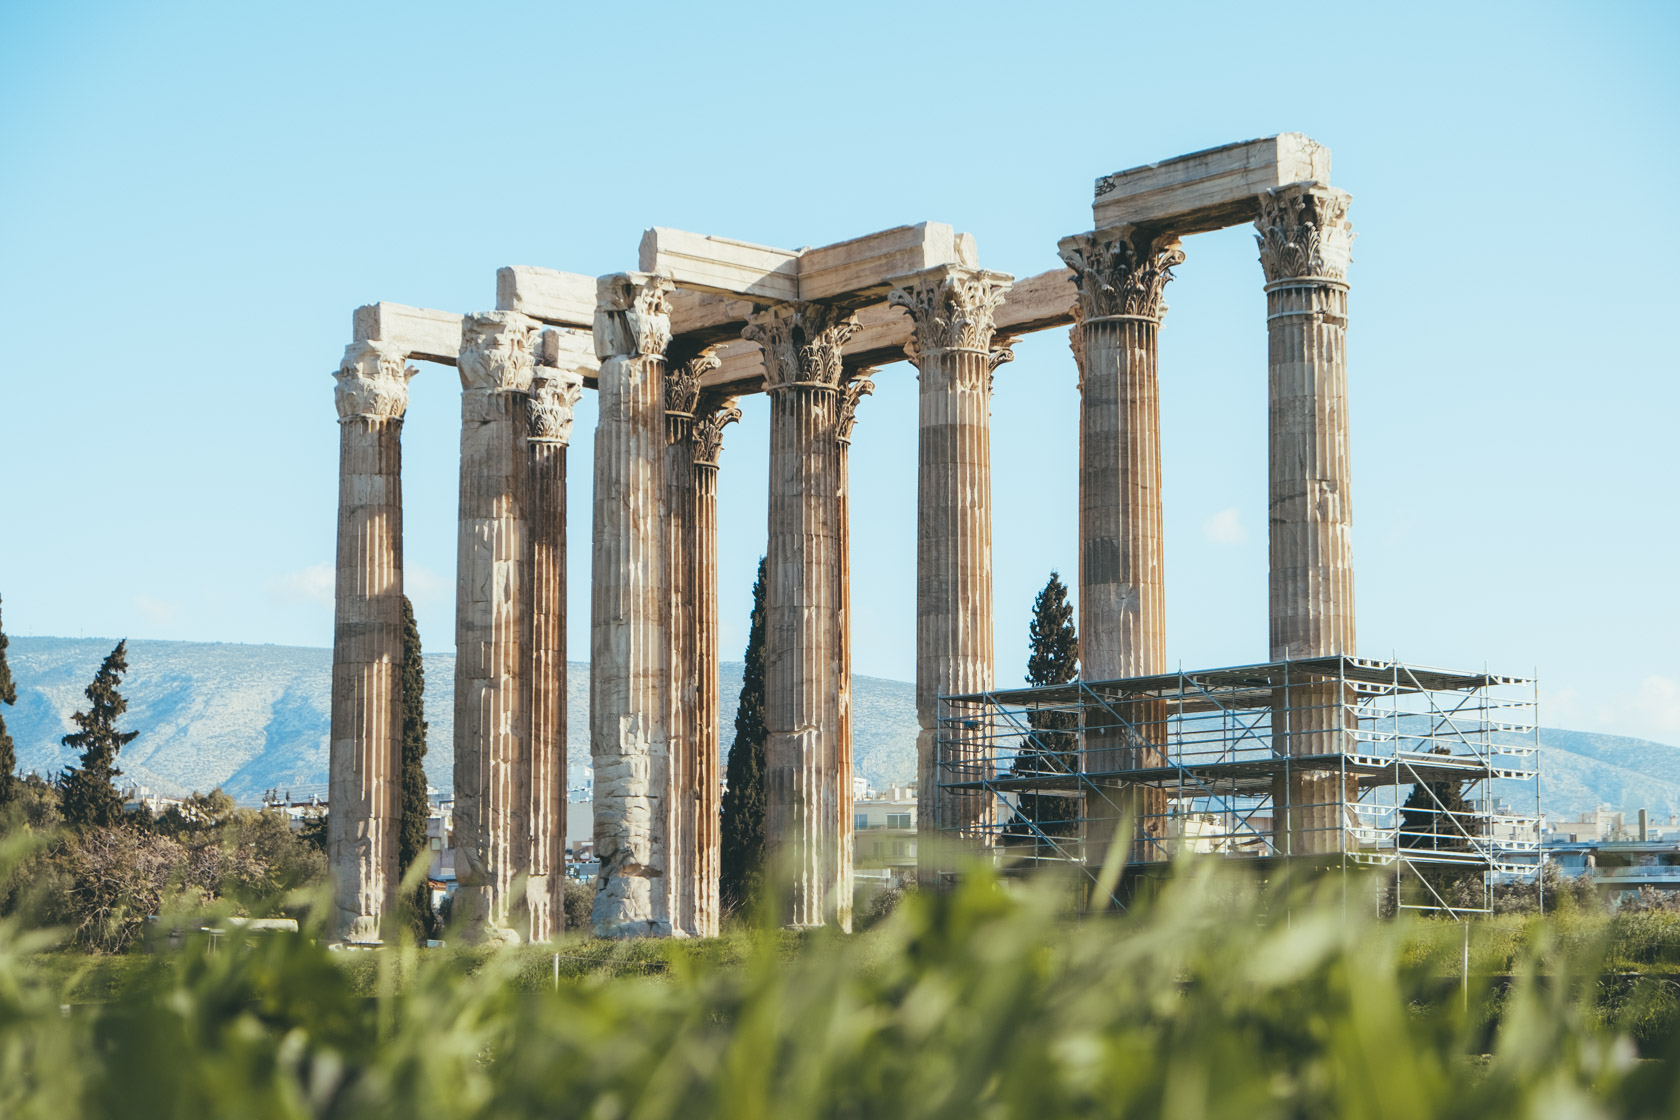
[682,394]
[554,396]
[712,414]
[493,624]
[808,771]
[1306,244]
[365,746]
[951,345]
[1120,275]
[630,618]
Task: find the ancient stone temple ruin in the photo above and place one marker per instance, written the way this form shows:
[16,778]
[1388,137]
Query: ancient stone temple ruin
[669,348]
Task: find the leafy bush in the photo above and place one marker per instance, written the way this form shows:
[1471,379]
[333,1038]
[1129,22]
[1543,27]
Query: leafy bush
[1214,999]
[579,903]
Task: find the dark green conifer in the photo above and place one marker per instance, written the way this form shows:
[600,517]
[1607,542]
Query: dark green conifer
[1435,817]
[411,831]
[88,793]
[742,862]
[416,808]
[1052,658]
[8,756]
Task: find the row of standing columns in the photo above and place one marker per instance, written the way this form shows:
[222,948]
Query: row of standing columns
[1305,245]
[654,734]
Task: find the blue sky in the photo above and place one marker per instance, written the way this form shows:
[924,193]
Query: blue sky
[194,197]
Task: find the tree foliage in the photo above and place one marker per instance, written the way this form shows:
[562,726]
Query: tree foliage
[1052,658]
[8,755]
[742,857]
[1435,817]
[89,794]
[978,1001]
[416,808]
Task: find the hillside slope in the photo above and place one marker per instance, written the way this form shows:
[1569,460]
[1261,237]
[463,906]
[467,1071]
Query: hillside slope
[252,718]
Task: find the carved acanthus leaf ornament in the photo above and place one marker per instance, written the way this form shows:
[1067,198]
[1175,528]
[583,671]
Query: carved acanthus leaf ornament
[713,414]
[802,343]
[554,397]
[952,309]
[1304,233]
[372,382]
[1121,272]
[497,353]
[632,315]
[682,383]
[857,388]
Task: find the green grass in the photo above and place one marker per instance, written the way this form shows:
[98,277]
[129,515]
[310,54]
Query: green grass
[1214,1000]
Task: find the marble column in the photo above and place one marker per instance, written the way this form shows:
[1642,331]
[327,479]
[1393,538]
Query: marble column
[712,415]
[630,618]
[492,624]
[365,745]
[1305,245]
[554,395]
[682,393]
[858,385]
[1120,275]
[951,346]
[808,771]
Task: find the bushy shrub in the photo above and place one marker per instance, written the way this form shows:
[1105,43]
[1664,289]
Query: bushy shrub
[579,903]
[1211,999]
[114,879]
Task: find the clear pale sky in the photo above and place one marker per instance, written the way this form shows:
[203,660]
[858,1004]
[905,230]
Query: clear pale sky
[193,198]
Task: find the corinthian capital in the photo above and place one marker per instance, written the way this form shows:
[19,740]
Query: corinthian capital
[802,343]
[952,309]
[1304,233]
[682,383]
[554,396]
[496,352]
[857,388]
[1120,271]
[372,382]
[632,315]
[712,415]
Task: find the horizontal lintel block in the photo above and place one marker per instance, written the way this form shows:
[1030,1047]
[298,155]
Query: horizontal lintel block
[569,348]
[864,265]
[562,299]
[1209,189]
[718,264]
[421,332]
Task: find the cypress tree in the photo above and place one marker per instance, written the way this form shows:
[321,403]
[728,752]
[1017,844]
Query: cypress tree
[1432,819]
[742,839]
[1052,658]
[411,830]
[8,756]
[88,794]
[411,826]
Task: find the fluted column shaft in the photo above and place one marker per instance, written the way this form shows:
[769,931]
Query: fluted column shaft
[681,392]
[554,394]
[492,624]
[952,310]
[856,388]
[1121,275]
[706,440]
[365,745]
[807,765]
[1306,245]
[630,617]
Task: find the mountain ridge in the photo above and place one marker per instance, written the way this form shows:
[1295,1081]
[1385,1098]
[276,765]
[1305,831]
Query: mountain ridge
[250,718]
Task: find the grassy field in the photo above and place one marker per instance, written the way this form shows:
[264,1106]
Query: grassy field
[1215,1000]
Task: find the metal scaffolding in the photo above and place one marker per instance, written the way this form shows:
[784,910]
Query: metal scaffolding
[1338,761]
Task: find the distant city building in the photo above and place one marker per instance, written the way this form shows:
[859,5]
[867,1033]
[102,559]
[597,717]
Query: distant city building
[1606,824]
[884,836]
